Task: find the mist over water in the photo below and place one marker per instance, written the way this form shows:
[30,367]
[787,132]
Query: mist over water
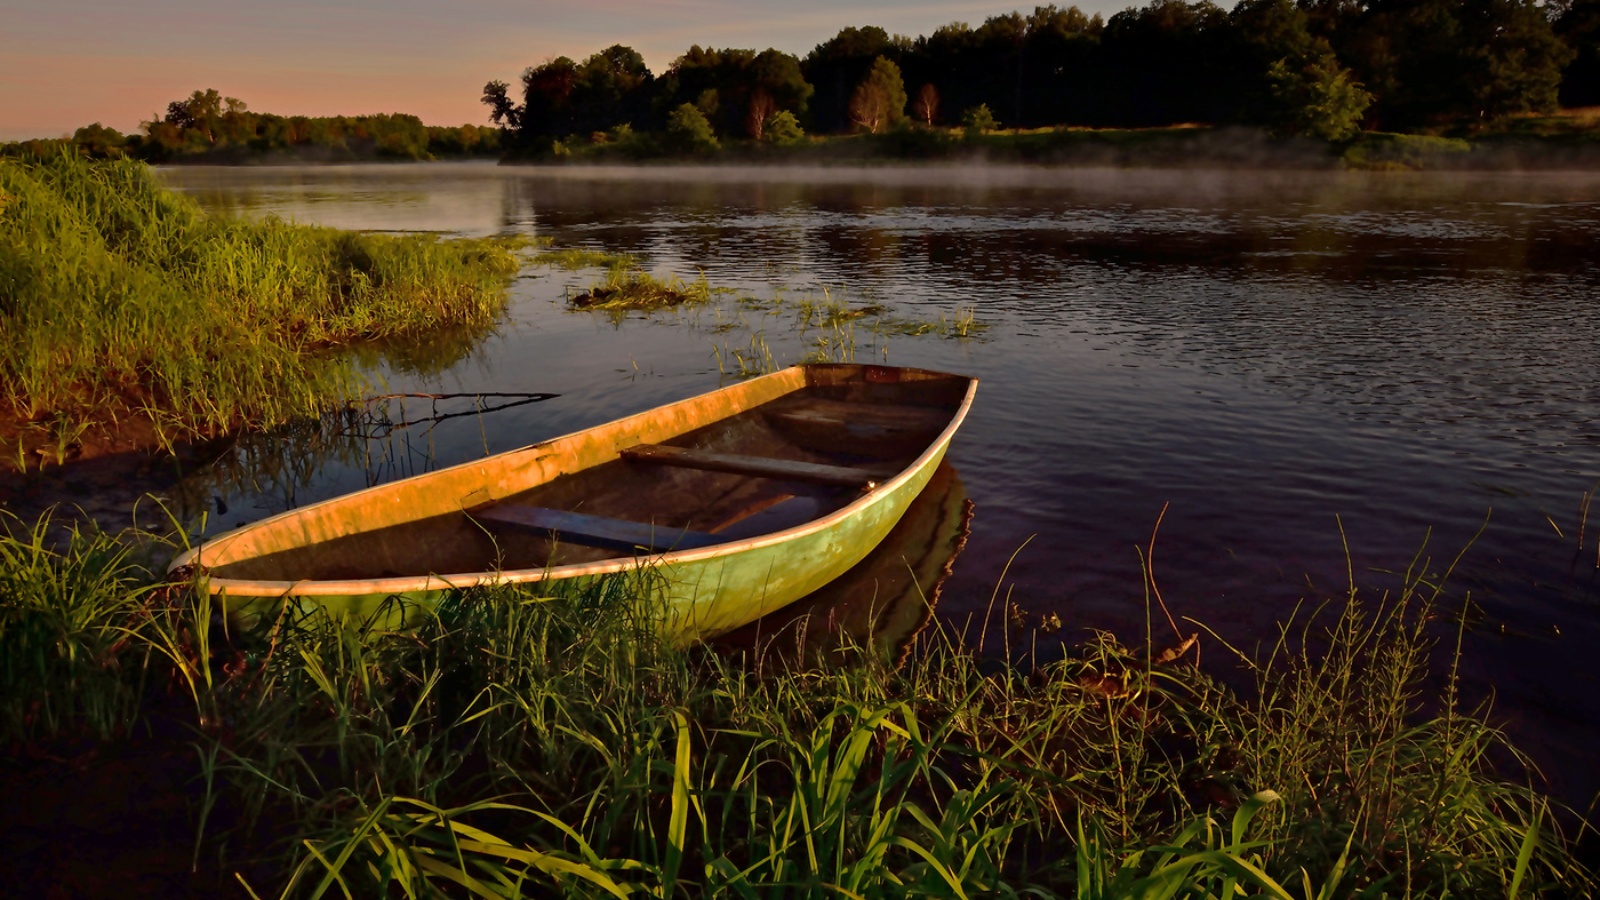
[1312,374]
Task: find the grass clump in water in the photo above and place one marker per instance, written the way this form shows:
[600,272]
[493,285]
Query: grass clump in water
[125,305]
[627,287]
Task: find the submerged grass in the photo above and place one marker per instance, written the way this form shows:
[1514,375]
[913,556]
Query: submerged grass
[122,301]
[830,328]
[525,743]
[574,258]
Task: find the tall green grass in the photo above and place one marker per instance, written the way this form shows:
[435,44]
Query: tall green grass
[523,743]
[69,663]
[122,300]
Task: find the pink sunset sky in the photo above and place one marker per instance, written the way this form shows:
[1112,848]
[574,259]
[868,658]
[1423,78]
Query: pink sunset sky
[67,63]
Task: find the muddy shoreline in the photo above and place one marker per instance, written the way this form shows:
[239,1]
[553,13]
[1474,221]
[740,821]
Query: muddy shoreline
[114,477]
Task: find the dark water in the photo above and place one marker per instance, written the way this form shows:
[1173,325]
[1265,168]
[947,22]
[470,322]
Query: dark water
[1312,375]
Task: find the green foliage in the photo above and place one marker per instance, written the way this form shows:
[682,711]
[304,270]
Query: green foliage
[463,140]
[738,90]
[70,662]
[978,120]
[689,131]
[1579,28]
[561,97]
[1513,59]
[208,126]
[1318,69]
[879,101]
[100,142]
[1317,99]
[837,67]
[1433,62]
[1202,860]
[121,298]
[783,129]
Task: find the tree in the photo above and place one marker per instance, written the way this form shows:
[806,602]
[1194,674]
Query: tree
[761,108]
[1431,62]
[1579,28]
[202,114]
[1514,59]
[100,141]
[1317,98]
[879,101]
[778,74]
[783,129]
[502,111]
[837,66]
[562,97]
[689,131]
[736,89]
[1041,67]
[1059,67]
[979,119]
[547,98]
[1289,79]
[1163,64]
[927,103]
[609,88]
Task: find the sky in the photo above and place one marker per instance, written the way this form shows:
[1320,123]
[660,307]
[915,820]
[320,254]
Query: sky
[68,63]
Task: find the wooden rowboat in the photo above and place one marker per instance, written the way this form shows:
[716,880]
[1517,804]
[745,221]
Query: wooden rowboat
[738,502]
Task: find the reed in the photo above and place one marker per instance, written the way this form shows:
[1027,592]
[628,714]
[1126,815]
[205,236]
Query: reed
[122,301]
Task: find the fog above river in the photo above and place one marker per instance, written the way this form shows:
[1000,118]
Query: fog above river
[471,197]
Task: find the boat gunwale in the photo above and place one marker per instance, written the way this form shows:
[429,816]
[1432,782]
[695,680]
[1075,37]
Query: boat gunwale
[249,588]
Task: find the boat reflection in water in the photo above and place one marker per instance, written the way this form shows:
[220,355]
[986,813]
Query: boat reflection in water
[877,607]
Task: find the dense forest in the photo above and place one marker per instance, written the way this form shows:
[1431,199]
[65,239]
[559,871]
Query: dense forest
[1327,70]
[1322,68]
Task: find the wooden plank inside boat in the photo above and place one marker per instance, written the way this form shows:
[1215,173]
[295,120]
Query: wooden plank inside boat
[848,415]
[881,430]
[765,467]
[593,531]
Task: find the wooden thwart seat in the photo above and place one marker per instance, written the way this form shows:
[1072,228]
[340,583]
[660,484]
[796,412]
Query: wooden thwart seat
[765,467]
[593,531]
[868,418]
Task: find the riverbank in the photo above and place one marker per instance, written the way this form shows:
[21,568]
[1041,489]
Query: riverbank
[527,747]
[1569,140]
[1549,143]
[136,320]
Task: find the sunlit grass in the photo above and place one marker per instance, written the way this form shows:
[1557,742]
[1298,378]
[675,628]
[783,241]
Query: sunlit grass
[626,287]
[123,301]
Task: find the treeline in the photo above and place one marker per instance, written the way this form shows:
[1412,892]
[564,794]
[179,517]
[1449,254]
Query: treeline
[1322,68]
[209,127]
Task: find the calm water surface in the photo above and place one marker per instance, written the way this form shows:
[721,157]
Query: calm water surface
[1312,375]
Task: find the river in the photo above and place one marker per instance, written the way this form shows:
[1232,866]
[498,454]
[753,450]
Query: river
[1303,377]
